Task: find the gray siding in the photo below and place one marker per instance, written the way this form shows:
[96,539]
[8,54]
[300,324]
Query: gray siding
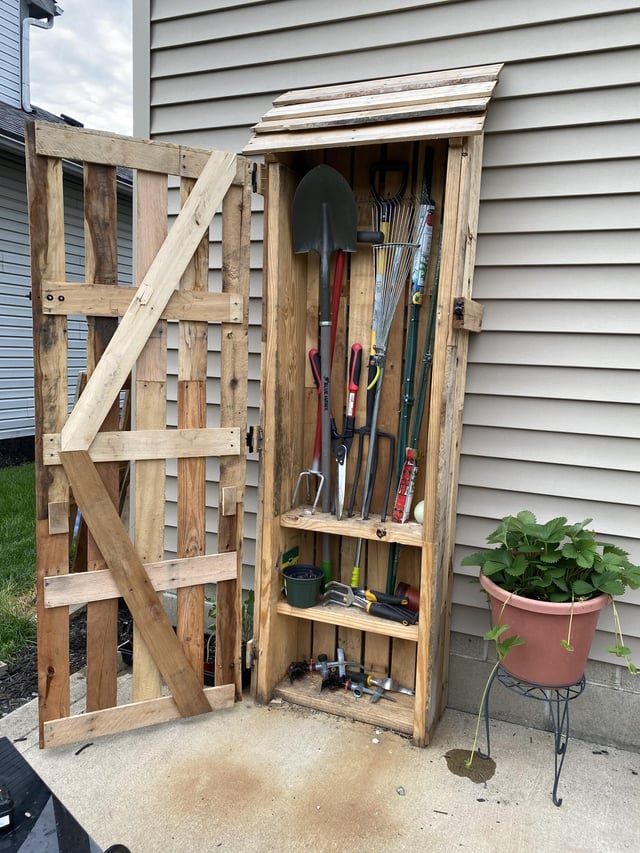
[16,347]
[10,52]
[550,416]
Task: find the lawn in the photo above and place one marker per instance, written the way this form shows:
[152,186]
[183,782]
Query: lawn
[17,566]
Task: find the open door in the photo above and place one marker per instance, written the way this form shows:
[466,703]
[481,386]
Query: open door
[81,454]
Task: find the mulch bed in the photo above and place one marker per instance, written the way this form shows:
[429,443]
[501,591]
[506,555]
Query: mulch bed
[20,684]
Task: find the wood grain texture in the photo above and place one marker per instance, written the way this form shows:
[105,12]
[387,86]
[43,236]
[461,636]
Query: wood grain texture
[133,582]
[46,225]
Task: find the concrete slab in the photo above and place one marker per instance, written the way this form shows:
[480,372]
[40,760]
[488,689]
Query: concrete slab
[282,778]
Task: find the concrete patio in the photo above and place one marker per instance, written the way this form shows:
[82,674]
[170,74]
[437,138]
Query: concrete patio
[282,778]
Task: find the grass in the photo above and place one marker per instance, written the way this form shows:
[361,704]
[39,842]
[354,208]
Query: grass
[17,560]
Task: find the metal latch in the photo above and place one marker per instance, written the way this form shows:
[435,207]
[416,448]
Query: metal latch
[255,436]
[467,314]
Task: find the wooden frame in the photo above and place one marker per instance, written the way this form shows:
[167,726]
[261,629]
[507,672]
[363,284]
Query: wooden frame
[350,128]
[81,452]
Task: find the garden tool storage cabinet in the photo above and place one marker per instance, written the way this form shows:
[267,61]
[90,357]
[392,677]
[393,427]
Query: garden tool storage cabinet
[431,126]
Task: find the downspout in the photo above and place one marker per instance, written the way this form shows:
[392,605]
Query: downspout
[26,73]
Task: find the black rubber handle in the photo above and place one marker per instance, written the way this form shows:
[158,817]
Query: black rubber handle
[386,611]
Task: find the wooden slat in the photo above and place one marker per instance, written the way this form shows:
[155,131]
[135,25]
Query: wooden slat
[67,590]
[477,74]
[234,357]
[150,412]
[192,413]
[152,444]
[133,582]
[370,115]
[437,128]
[379,101]
[112,149]
[101,267]
[126,717]
[64,298]
[46,212]
[153,295]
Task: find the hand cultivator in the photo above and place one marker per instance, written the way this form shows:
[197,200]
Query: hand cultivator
[375,603]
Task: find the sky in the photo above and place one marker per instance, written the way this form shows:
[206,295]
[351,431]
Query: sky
[82,66]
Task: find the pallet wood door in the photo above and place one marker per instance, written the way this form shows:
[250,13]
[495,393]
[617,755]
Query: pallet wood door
[80,453]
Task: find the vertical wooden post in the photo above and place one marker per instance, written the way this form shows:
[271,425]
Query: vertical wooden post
[101,267]
[234,367]
[192,413]
[46,212]
[149,413]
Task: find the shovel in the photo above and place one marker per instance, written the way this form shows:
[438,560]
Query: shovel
[325,219]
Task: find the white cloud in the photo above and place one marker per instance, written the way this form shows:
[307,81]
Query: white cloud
[82,67]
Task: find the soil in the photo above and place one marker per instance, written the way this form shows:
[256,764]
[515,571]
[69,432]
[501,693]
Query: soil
[20,683]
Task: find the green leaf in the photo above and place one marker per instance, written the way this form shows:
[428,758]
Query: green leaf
[496,632]
[580,588]
[619,651]
[566,645]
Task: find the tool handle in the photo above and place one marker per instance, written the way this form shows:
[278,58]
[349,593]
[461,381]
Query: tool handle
[386,611]
[384,598]
[355,364]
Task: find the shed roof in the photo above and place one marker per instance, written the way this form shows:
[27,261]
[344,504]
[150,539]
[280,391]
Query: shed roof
[432,105]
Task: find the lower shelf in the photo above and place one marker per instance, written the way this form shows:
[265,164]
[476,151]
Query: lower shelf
[397,715]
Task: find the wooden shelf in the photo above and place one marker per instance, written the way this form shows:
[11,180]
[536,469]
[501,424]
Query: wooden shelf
[350,617]
[396,715]
[301,518]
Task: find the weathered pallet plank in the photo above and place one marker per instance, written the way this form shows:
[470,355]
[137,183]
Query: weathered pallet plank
[401,83]
[101,267]
[46,212]
[371,115]
[150,408]
[436,128]
[111,149]
[66,298]
[380,101]
[124,718]
[68,590]
[234,364]
[192,414]
[152,444]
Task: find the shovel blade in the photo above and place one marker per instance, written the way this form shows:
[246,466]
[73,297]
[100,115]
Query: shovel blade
[325,216]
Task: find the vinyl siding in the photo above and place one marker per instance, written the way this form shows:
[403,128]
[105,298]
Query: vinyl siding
[550,416]
[16,345]
[10,52]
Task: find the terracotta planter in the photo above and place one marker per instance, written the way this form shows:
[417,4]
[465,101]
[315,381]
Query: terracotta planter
[543,625]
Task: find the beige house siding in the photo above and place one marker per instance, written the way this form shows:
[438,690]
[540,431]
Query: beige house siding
[551,417]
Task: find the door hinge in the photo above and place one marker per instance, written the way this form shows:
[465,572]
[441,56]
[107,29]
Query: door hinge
[255,436]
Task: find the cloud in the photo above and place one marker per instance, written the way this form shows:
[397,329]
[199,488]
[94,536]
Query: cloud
[83,66]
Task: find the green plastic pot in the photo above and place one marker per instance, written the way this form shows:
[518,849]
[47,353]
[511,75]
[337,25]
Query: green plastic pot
[302,584]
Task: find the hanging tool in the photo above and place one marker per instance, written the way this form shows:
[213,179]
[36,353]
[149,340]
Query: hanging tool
[342,443]
[342,594]
[392,264]
[407,481]
[324,219]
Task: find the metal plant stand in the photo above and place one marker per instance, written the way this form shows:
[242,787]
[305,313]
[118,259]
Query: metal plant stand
[557,699]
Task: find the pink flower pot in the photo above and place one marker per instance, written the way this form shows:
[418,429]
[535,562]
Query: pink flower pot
[543,625]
